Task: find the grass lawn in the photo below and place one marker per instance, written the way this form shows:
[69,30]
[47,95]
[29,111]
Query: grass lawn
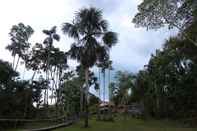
[129,124]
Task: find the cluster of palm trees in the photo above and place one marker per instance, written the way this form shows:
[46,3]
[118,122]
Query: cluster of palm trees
[92,44]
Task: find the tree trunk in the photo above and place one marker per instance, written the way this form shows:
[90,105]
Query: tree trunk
[32,78]
[86,124]
[24,73]
[61,90]
[25,108]
[47,88]
[98,110]
[13,63]
[104,85]
[109,84]
[47,92]
[99,83]
[53,84]
[17,63]
[57,93]
[81,100]
[47,71]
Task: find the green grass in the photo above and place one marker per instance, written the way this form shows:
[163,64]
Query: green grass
[119,124]
[129,124]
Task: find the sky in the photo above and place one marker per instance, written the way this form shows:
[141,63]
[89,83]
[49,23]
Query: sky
[131,53]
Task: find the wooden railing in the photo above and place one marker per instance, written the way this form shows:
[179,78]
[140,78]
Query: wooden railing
[62,122]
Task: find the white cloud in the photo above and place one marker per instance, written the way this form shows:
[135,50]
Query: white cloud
[132,51]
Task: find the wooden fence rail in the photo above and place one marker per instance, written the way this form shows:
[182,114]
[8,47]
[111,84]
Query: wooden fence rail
[62,122]
[32,120]
[54,126]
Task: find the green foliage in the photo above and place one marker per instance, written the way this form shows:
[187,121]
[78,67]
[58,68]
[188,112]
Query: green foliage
[16,97]
[87,27]
[168,84]
[72,90]
[20,35]
[72,95]
[154,14]
[122,88]
[92,41]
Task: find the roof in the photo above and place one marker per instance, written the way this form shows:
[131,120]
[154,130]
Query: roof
[103,104]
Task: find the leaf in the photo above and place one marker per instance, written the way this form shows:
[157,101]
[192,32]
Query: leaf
[56,37]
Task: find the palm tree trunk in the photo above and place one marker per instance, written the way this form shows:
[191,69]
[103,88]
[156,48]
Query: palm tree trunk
[52,88]
[47,72]
[13,63]
[61,89]
[57,93]
[104,85]
[24,73]
[25,108]
[17,63]
[109,81]
[32,78]
[98,110]
[99,83]
[86,124]
[53,74]
[47,91]
[81,100]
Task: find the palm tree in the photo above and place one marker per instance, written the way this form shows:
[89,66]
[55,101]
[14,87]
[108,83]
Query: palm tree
[48,42]
[90,32]
[19,46]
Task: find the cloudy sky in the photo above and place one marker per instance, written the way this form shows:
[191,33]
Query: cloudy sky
[132,51]
[135,44]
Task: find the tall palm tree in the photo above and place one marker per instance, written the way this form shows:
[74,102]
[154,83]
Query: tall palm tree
[91,35]
[19,46]
[48,42]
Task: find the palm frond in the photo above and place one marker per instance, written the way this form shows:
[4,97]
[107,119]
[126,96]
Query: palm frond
[56,37]
[71,30]
[104,25]
[53,29]
[46,32]
[110,39]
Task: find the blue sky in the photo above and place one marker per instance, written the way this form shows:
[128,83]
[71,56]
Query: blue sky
[132,51]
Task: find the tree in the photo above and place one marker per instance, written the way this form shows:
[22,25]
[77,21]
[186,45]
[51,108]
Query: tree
[86,29]
[121,87]
[154,14]
[72,90]
[48,42]
[167,82]
[19,46]
[16,97]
